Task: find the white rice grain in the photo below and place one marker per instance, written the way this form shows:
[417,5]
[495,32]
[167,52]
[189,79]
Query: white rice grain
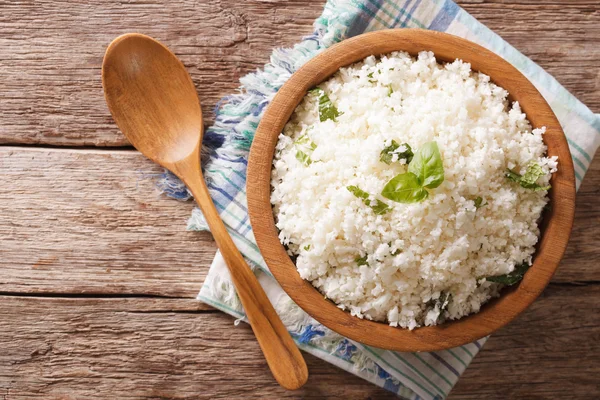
[417,252]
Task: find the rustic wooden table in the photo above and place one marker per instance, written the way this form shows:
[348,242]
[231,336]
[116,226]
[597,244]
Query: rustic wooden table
[97,273]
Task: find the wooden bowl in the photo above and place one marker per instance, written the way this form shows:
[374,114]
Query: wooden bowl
[556,225]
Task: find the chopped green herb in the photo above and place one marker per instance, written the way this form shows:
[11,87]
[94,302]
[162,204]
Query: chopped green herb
[390,90]
[303,158]
[405,188]
[511,278]
[479,202]
[396,252]
[444,300]
[326,108]
[370,75]
[513,176]
[533,172]
[361,260]
[307,146]
[307,247]
[378,207]
[441,303]
[387,153]
[427,165]
[302,140]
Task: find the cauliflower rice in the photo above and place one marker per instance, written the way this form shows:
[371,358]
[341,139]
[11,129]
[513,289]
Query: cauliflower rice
[424,262]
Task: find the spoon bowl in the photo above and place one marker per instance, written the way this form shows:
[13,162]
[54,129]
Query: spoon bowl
[160,116]
[154,102]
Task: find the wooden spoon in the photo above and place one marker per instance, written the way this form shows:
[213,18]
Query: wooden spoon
[154,102]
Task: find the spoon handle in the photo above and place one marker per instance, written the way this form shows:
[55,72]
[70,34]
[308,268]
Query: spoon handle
[282,354]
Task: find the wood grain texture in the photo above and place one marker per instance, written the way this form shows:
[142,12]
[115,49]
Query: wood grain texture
[144,349]
[556,226]
[551,352]
[51,52]
[173,349]
[93,222]
[82,221]
[78,223]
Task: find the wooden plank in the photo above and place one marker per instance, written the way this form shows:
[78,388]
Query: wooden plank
[134,349]
[566,38]
[171,348]
[51,52]
[550,352]
[82,221]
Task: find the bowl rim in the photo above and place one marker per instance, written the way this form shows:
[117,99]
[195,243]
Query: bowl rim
[556,226]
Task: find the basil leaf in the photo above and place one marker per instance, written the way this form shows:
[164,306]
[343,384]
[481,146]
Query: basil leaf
[361,261]
[303,158]
[387,153]
[427,165]
[511,278]
[528,181]
[478,202]
[378,207]
[326,108]
[405,188]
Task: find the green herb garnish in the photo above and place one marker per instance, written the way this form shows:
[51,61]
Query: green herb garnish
[511,278]
[361,261]
[425,170]
[396,252]
[387,153]
[303,158]
[390,90]
[302,140]
[441,302]
[405,188]
[427,165]
[307,146]
[533,172]
[479,202]
[378,207]
[326,108]
[307,247]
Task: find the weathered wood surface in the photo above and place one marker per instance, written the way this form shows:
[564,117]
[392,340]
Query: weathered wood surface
[93,222]
[83,221]
[174,349]
[144,349]
[60,44]
[89,223]
[52,52]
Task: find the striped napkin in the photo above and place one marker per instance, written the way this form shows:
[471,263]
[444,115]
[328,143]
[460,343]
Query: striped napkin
[227,142]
